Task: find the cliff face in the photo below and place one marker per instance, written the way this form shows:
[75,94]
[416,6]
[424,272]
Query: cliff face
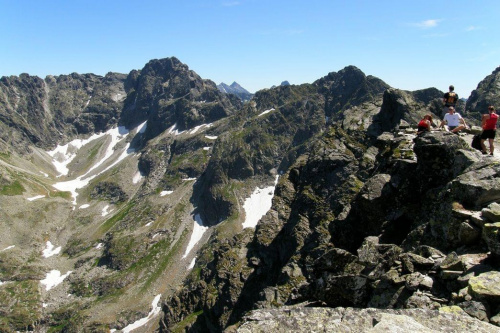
[148,195]
[45,112]
[366,215]
[487,93]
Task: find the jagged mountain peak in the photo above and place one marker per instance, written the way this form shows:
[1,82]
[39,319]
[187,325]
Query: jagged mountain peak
[487,93]
[235,89]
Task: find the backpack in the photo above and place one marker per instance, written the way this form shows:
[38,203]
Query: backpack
[476,142]
[452,98]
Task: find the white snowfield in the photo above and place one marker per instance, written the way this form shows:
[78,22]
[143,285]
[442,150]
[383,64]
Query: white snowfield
[211,137]
[264,112]
[105,211]
[8,248]
[137,177]
[164,193]
[63,155]
[49,251]
[191,265]
[258,204]
[35,198]
[54,278]
[143,321]
[197,128]
[173,130]
[198,231]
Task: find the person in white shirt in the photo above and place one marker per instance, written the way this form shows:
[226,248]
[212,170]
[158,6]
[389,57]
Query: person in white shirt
[454,121]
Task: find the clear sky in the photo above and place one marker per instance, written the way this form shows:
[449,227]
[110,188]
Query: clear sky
[258,43]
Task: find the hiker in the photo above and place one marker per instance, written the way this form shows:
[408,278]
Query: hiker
[453,120]
[449,99]
[489,124]
[425,124]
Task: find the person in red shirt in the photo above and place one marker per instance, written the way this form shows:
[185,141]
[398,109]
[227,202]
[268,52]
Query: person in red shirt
[425,124]
[489,124]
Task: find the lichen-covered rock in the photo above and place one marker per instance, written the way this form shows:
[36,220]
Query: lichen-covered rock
[486,286]
[360,320]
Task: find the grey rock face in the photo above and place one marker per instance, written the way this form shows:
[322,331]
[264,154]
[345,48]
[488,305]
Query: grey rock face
[46,112]
[360,320]
[486,93]
[166,93]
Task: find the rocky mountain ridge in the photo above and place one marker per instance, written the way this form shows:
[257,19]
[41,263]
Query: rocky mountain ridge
[157,207]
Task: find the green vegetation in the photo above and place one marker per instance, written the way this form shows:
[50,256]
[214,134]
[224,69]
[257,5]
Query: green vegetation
[4,156]
[16,188]
[61,194]
[19,305]
[67,319]
[120,215]
[189,320]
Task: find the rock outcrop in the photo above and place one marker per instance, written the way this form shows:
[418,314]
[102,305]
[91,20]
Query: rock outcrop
[303,319]
[487,93]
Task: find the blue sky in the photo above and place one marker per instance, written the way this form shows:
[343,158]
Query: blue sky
[258,43]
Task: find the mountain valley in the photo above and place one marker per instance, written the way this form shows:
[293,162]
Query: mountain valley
[154,201]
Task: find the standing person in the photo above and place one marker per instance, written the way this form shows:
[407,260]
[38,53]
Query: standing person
[489,124]
[453,120]
[425,124]
[450,99]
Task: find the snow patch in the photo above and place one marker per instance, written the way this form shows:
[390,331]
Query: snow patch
[211,137]
[84,206]
[191,265]
[105,210]
[148,224]
[137,177]
[164,193]
[63,155]
[142,127]
[194,130]
[99,246]
[141,322]
[117,134]
[173,130]
[49,251]
[264,112]
[8,248]
[53,278]
[186,179]
[206,148]
[45,174]
[198,231]
[258,204]
[36,198]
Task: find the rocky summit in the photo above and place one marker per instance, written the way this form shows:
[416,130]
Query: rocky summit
[154,202]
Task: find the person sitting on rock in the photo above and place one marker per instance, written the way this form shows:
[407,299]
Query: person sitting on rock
[453,119]
[425,124]
[489,124]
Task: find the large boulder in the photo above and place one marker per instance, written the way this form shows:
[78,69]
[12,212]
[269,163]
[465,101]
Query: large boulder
[440,157]
[486,287]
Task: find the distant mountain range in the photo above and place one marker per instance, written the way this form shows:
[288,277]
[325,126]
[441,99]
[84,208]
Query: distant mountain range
[160,202]
[235,89]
